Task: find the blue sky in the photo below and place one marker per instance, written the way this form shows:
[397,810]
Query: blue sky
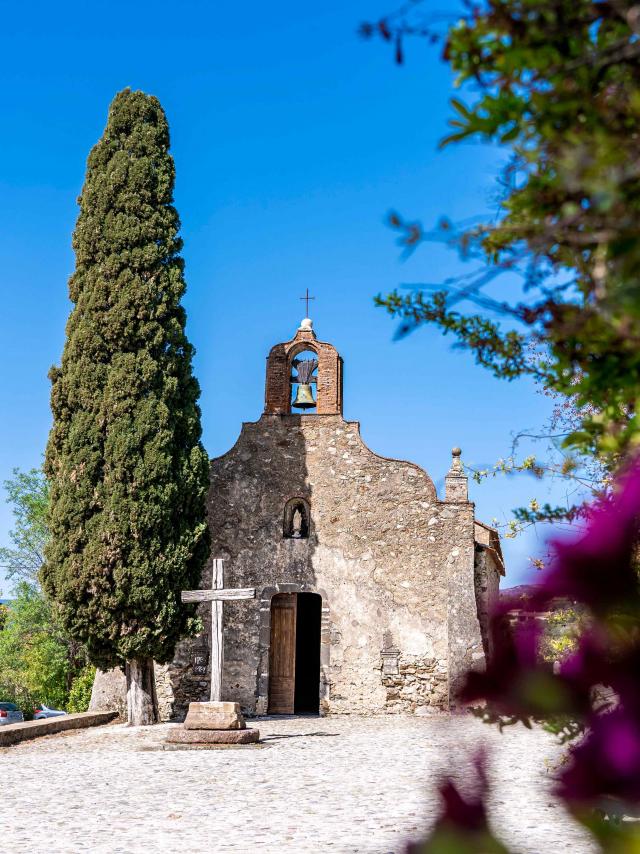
[292,139]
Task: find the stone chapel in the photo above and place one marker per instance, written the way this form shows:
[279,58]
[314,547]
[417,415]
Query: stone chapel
[372,593]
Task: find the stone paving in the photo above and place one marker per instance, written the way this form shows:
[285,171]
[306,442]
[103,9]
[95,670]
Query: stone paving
[341,784]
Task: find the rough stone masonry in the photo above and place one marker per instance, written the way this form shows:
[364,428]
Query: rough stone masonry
[301,505]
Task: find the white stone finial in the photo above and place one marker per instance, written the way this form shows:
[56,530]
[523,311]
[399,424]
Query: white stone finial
[306,325]
[456,462]
[456,481]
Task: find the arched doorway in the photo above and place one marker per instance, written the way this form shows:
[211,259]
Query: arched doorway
[294,654]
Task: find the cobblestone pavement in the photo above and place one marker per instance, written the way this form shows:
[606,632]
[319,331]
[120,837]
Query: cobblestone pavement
[343,784]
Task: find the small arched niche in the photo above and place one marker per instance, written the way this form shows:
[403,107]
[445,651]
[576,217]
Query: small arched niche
[297,519]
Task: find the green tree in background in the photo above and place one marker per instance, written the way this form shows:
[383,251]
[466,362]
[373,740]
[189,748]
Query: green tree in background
[128,474]
[28,494]
[35,665]
[80,693]
[39,663]
[556,83]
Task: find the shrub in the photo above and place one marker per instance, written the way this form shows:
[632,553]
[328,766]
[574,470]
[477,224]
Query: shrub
[80,693]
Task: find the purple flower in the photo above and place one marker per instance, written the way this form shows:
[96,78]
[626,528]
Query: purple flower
[606,763]
[463,825]
[466,814]
[516,683]
[601,662]
[598,568]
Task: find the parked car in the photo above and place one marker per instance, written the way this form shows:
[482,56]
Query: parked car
[10,714]
[40,712]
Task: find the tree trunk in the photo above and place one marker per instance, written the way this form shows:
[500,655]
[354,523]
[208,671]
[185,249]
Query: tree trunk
[142,703]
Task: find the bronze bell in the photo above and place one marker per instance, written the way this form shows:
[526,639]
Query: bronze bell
[304,397]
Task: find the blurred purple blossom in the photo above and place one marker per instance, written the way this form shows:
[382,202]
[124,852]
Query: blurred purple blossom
[463,825]
[606,763]
[598,568]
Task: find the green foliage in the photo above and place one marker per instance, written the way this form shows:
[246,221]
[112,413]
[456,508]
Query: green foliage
[449,839]
[34,656]
[565,728]
[615,834]
[505,355]
[128,473]
[28,493]
[558,84]
[38,661]
[562,632]
[80,693]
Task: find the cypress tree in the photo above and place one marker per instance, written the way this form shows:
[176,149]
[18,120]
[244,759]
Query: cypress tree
[128,473]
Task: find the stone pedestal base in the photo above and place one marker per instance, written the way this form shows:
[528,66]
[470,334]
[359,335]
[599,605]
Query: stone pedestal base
[213,736]
[213,723]
[214,716]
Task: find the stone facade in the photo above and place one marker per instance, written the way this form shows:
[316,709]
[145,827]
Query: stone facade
[406,579]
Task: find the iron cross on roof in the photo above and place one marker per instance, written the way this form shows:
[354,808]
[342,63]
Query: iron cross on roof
[306,297]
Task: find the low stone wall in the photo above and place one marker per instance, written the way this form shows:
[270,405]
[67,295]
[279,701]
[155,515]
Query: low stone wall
[14,733]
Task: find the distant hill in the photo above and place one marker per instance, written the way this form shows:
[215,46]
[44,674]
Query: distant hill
[519,591]
[516,597]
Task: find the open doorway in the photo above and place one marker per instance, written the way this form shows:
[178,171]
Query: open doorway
[294,654]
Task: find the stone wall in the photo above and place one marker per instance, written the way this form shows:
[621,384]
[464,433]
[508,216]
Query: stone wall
[420,686]
[180,682]
[487,580]
[394,566]
[15,733]
[109,692]
[489,568]
[465,649]
[407,581]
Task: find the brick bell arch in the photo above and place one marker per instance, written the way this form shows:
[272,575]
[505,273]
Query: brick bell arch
[279,367]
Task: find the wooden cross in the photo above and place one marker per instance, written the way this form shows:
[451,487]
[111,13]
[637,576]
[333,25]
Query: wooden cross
[217,595]
[306,297]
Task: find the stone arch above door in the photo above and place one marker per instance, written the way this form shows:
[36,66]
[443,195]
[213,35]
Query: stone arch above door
[265,597]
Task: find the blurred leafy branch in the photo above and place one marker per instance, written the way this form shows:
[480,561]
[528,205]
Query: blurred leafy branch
[555,84]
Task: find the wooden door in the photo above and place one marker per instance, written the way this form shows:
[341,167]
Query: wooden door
[282,654]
